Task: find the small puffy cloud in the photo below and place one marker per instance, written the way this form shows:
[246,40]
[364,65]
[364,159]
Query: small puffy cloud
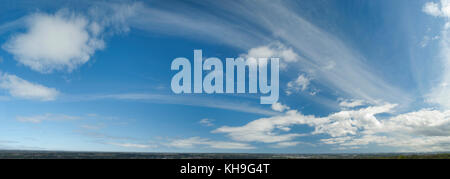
[432,8]
[61,41]
[46,117]
[20,88]
[261,52]
[300,84]
[279,107]
[206,122]
[352,103]
[197,141]
[273,50]
[440,9]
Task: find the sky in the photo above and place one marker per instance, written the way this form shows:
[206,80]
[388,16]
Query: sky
[355,76]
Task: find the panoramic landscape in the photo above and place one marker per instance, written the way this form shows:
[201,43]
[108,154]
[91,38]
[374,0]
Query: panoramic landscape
[17,154]
[225,79]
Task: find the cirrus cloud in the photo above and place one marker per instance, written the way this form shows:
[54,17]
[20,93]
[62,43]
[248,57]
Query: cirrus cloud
[46,117]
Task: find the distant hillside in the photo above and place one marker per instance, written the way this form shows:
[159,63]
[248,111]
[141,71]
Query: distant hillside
[19,154]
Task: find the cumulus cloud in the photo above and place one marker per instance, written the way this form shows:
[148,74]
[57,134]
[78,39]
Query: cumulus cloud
[273,50]
[268,130]
[54,42]
[66,40]
[279,107]
[440,9]
[420,131]
[425,130]
[46,117]
[300,84]
[197,141]
[352,122]
[425,122]
[20,88]
[432,9]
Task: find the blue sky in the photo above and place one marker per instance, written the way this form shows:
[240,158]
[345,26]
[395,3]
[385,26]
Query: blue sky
[356,76]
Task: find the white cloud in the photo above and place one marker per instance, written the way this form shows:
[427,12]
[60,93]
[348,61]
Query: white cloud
[420,131]
[46,117]
[196,141]
[273,129]
[206,122]
[300,84]
[268,130]
[432,8]
[441,9]
[352,103]
[353,121]
[54,42]
[66,40]
[20,88]
[425,122]
[279,107]
[273,50]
